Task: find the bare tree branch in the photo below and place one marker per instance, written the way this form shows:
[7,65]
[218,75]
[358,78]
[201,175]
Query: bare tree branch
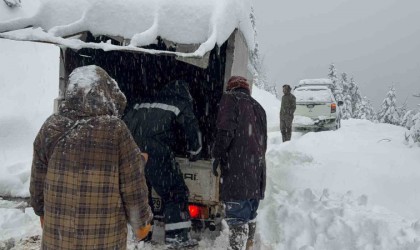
[12,3]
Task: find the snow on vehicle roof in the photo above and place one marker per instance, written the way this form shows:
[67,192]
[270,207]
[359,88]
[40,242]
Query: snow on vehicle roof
[320,81]
[313,94]
[202,22]
[311,87]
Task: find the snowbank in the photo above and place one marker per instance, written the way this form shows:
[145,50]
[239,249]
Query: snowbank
[304,220]
[328,190]
[28,87]
[204,22]
[17,224]
[364,157]
[271,105]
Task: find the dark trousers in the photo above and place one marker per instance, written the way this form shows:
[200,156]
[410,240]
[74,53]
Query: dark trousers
[240,216]
[163,174]
[286,130]
[241,212]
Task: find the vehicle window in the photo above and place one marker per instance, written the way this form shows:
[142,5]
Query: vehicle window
[313,95]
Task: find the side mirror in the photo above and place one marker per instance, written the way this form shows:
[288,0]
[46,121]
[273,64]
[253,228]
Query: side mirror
[340,103]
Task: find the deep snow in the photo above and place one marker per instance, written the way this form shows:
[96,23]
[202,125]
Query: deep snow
[28,86]
[354,188]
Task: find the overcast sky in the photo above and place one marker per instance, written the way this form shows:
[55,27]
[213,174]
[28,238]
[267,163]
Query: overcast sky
[376,41]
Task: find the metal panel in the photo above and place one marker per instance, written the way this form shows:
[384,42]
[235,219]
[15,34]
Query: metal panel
[237,57]
[203,185]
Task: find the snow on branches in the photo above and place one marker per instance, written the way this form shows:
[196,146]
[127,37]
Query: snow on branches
[12,3]
[389,111]
[413,120]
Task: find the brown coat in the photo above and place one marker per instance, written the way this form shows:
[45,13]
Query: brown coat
[87,176]
[287,109]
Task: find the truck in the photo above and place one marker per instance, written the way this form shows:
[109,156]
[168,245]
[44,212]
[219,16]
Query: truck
[137,67]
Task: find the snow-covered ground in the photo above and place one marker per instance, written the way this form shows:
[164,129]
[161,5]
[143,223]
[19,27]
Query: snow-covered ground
[354,188]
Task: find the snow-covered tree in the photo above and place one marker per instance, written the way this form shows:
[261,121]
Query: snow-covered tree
[347,100]
[414,133]
[364,110]
[388,112]
[407,120]
[257,63]
[372,113]
[12,3]
[347,91]
[402,110]
[332,75]
[354,93]
[338,90]
[415,129]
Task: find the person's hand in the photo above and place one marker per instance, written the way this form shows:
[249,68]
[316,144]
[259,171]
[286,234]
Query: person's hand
[215,164]
[41,219]
[145,156]
[142,232]
[193,158]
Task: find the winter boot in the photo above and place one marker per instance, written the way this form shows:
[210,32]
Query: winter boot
[180,239]
[283,137]
[237,236]
[251,233]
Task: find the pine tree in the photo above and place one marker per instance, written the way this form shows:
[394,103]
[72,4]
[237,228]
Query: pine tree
[356,98]
[372,113]
[337,90]
[364,110]
[347,101]
[407,120]
[402,110]
[415,129]
[257,63]
[347,91]
[332,75]
[388,112]
[12,3]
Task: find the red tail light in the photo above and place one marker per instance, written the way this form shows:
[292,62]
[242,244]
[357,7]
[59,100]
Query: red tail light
[333,107]
[198,212]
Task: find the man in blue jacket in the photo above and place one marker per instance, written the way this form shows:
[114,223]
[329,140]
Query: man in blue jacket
[154,124]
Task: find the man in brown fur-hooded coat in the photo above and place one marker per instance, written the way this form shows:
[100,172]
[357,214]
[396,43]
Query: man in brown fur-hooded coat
[87,178]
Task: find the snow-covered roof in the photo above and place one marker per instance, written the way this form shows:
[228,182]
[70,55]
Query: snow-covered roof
[138,22]
[320,81]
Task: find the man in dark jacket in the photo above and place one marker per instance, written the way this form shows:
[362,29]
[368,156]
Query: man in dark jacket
[154,124]
[287,109]
[87,178]
[240,146]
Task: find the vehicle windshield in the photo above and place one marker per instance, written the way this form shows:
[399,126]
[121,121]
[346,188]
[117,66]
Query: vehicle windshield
[313,95]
